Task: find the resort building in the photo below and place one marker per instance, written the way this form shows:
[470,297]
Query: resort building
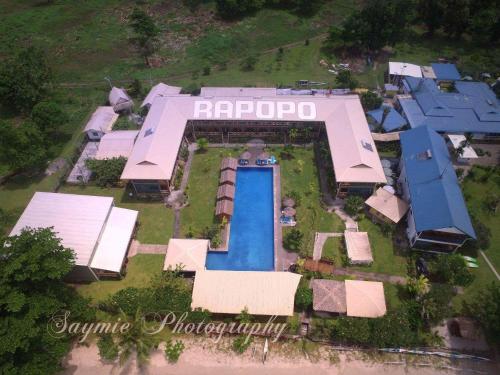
[100,123]
[473,107]
[119,100]
[98,232]
[386,207]
[231,292]
[386,117]
[160,90]
[363,299]
[233,114]
[186,255]
[437,219]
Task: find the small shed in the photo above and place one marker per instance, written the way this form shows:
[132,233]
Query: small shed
[226,191]
[365,299]
[116,144]
[100,123]
[428,72]
[457,140]
[329,297]
[228,177]
[224,208]
[188,254]
[229,163]
[119,100]
[384,206]
[358,247]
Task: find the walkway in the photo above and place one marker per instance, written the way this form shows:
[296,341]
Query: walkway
[319,242]
[176,197]
[371,276]
[138,248]
[489,264]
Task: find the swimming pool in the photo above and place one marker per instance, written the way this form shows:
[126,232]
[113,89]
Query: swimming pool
[251,240]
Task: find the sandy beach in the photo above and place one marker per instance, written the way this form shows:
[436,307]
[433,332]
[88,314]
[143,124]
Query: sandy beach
[205,358]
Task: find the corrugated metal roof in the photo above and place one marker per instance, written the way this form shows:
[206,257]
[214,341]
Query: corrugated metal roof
[393,120]
[445,72]
[77,219]
[116,144]
[160,90]
[102,119]
[436,197]
[404,69]
[115,239]
[230,292]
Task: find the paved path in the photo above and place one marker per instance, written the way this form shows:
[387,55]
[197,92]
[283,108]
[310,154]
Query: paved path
[489,264]
[177,205]
[319,242]
[369,276]
[138,248]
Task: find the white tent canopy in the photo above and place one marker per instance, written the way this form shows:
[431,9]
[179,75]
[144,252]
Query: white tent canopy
[365,299]
[190,254]
[404,69]
[456,140]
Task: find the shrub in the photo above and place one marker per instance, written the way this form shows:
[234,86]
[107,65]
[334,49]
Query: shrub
[173,350]
[202,144]
[248,64]
[303,298]
[370,101]
[213,234]
[353,205]
[108,350]
[242,343]
[451,268]
[206,71]
[106,172]
[293,240]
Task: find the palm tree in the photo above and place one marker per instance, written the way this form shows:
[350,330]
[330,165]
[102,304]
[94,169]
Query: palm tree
[293,134]
[418,287]
[136,339]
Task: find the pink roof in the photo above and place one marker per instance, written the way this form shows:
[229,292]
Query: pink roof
[353,150]
[160,89]
[116,144]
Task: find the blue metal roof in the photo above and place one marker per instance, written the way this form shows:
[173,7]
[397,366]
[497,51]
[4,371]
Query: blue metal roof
[472,108]
[435,195]
[393,120]
[445,72]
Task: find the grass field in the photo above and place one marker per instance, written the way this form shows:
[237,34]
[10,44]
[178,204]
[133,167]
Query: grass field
[202,189]
[332,250]
[156,222]
[140,270]
[311,216]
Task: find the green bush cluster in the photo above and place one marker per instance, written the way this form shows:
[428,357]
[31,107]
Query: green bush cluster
[107,172]
[173,350]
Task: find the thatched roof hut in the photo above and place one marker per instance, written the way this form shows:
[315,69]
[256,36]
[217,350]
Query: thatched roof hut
[229,163]
[226,191]
[246,155]
[228,177]
[224,208]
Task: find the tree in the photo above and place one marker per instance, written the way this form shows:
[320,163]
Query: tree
[430,12]
[346,80]
[485,308]
[48,117]
[370,101]
[242,343]
[22,147]
[244,317]
[485,21]
[192,4]
[451,268]
[303,298]
[106,172]
[230,9]
[202,144]
[173,350]
[353,205]
[146,32]
[377,24]
[32,267]
[293,240]
[107,347]
[135,339]
[455,17]
[25,79]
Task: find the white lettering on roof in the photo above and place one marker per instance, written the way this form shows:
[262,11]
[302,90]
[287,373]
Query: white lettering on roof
[260,109]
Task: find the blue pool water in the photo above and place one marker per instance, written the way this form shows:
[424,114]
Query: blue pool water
[251,241]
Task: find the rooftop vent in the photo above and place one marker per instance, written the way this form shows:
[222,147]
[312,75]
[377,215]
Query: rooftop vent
[148,132]
[367,146]
[426,155]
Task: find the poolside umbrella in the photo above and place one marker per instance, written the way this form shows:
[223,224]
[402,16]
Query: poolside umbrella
[289,211]
[246,155]
[288,202]
[263,156]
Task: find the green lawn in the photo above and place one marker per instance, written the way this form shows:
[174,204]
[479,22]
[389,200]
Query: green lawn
[140,270]
[311,217]
[156,222]
[385,257]
[332,250]
[202,189]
